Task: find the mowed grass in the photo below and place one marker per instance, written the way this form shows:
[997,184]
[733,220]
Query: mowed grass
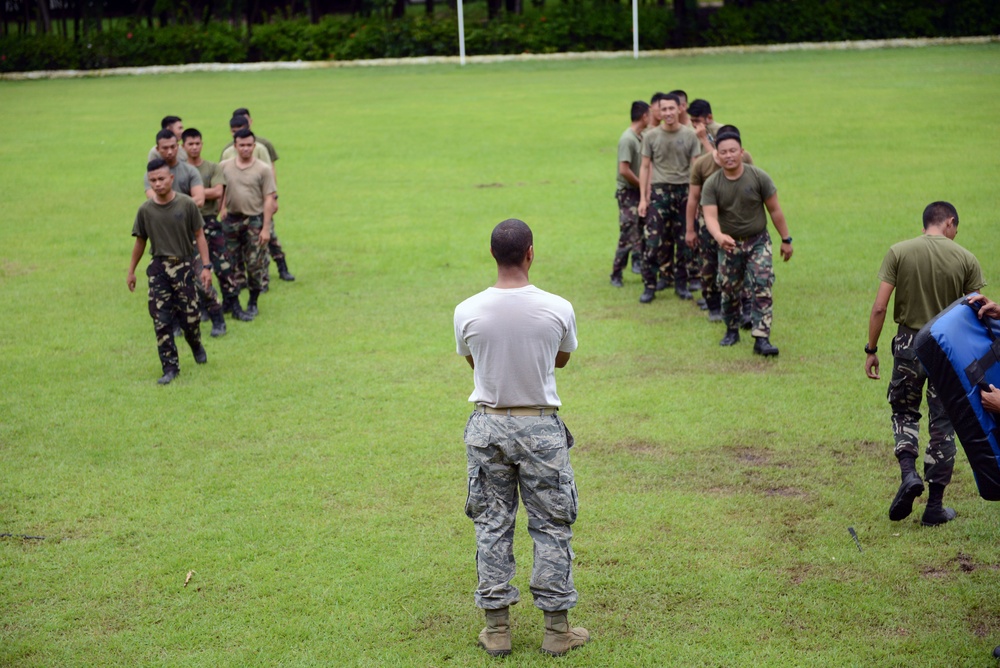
[312,474]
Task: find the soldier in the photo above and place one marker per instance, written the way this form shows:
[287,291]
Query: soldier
[703,246]
[169,221]
[927,273]
[176,127]
[703,124]
[627,194]
[667,155]
[214,182]
[514,336]
[246,211]
[733,201]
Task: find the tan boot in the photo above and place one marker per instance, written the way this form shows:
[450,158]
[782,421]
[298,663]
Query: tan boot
[559,636]
[495,638]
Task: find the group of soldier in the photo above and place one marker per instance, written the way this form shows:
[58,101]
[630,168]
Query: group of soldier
[692,214]
[201,216]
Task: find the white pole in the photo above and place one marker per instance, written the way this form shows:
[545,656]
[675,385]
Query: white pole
[635,27]
[461,34]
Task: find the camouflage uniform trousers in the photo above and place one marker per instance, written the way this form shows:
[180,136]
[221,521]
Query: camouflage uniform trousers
[173,298]
[207,299]
[750,261]
[708,267]
[216,238]
[277,253]
[629,228]
[248,257]
[905,388]
[657,250]
[673,211]
[505,453]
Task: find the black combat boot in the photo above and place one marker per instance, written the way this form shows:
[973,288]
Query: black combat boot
[935,513]
[648,295]
[218,324]
[664,283]
[238,311]
[283,272]
[681,290]
[694,284]
[168,375]
[252,304]
[910,488]
[731,338]
[227,304]
[762,346]
[616,280]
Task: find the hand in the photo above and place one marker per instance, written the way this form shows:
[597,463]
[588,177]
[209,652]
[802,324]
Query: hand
[726,242]
[991,399]
[265,235]
[987,307]
[699,129]
[871,366]
[786,251]
[643,207]
[130,281]
[691,239]
[206,278]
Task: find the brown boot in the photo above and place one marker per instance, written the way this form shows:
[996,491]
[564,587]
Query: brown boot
[559,636]
[495,638]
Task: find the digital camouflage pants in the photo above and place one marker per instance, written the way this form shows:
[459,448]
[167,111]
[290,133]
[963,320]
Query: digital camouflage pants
[629,228]
[657,243]
[905,388]
[751,261]
[248,257]
[172,298]
[216,238]
[531,454]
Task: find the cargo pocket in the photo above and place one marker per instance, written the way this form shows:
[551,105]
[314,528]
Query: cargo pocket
[564,506]
[475,500]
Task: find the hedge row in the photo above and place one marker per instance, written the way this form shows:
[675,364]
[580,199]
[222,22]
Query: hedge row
[554,28]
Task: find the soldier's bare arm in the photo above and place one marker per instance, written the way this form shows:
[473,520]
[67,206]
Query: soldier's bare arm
[562,359]
[644,181]
[198,195]
[472,362]
[778,219]
[137,250]
[625,169]
[270,206]
[875,322]
[691,215]
[711,213]
[206,273]
[987,307]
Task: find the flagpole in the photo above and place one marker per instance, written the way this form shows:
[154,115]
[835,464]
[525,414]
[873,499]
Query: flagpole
[635,27]
[461,33]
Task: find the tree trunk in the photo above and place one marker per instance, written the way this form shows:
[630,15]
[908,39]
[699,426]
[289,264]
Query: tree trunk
[513,6]
[398,9]
[429,7]
[492,9]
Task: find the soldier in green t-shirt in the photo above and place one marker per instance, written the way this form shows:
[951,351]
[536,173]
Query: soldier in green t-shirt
[169,221]
[927,274]
[733,201]
[627,193]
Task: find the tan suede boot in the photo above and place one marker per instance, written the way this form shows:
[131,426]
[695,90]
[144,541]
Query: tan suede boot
[559,636]
[495,638]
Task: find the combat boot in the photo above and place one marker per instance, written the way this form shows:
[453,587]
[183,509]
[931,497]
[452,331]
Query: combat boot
[227,305]
[731,338]
[616,280]
[681,290]
[636,265]
[648,295]
[168,376]
[238,311]
[283,272]
[935,513]
[910,488]
[664,283]
[218,324]
[762,346]
[252,304]
[200,356]
[560,637]
[694,284]
[495,638]
[714,315]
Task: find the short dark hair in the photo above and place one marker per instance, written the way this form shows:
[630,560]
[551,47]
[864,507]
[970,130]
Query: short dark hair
[242,111]
[164,134]
[190,132]
[679,93]
[510,242]
[723,136]
[238,121]
[243,134]
[168,121]
[673,97]
[731,129]
[638,109]
[156,164]
[657,97]
[937,213]
[699,108]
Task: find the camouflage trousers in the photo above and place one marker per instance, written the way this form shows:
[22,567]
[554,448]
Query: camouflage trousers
[173,299]
[207,299]
[629,228]
[657,243]
[905,388]
[531,454]
[276,251]
[216,238]
[751,261]
[248,257]
[708,265]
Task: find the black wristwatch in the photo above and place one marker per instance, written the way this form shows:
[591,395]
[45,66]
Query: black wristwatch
[787,241]
[871,351]
[207,266]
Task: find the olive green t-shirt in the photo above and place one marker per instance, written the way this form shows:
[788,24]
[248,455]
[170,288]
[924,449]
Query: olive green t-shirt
[211,175]
[246,188]
[740,202]
[929,272]
[630,151]
[671,153]
[706,165]
[169,227]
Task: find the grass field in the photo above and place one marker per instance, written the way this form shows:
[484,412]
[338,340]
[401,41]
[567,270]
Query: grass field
[312,474]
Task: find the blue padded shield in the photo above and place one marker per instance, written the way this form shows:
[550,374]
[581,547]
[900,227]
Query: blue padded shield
[961,354]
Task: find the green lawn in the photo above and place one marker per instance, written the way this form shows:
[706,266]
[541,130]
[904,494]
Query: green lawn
[312,474]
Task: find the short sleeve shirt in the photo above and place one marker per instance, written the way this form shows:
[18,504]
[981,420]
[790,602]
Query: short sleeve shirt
[211,175]
[740,202]
[929,273]
[630,151]
[259,152]
[185,176]
[247,187]
[671,153]
[169,227]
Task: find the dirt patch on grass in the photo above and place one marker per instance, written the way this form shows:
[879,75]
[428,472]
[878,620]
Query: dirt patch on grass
[960,563]
[749,455]
[12,269]
[789,492]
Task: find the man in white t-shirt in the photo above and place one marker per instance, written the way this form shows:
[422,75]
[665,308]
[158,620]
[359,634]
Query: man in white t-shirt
[514,336]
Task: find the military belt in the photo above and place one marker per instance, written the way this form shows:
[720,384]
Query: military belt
[171,258]
[518,411]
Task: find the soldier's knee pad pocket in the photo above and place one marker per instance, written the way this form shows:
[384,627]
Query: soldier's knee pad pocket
[475,501]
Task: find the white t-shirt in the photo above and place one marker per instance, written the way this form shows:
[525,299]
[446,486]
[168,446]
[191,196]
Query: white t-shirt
[513,336]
